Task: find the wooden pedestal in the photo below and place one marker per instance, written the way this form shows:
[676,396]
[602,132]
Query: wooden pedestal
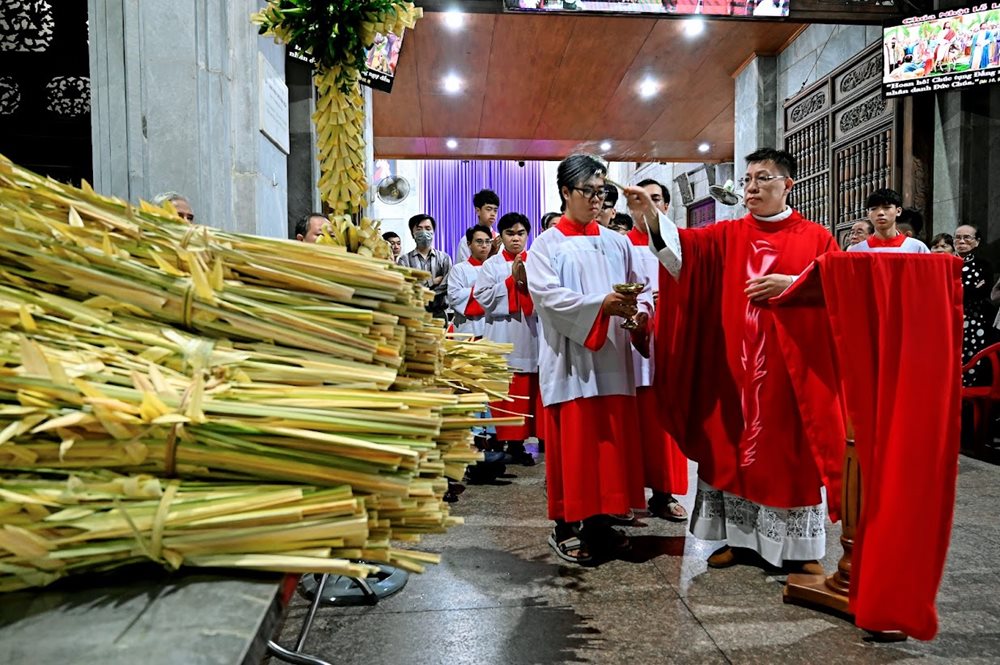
[831,593]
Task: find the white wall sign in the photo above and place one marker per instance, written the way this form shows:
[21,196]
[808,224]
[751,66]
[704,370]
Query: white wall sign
[273,104]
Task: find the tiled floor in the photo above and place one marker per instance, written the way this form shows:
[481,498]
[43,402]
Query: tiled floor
[500,596]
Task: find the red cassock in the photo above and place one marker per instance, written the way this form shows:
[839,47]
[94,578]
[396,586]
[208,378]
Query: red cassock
[897,324]
[664,466]
[748,399]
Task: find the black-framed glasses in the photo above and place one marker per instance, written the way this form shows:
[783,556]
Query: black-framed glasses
[966,238]
[760,179]
[589,193]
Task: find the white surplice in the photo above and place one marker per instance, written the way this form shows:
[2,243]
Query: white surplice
[568,278]
[461,282]
[502,325]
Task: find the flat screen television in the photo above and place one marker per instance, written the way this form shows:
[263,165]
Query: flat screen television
[741,8]
[940,51]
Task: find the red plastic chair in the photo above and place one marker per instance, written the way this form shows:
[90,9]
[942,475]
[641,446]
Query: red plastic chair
[982,398]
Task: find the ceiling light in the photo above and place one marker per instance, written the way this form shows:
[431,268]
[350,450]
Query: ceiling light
[694,26]
[605,146]
[454,19]
[452,83]
[704,147]
[451,143]
[648,88]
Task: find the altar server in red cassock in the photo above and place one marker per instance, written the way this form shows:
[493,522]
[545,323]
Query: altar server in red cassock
[469,317]
[585,366]
[665,468]
[739,392]
[502,290]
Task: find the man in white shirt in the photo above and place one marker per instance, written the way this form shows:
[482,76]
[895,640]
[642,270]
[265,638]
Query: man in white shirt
[469,317]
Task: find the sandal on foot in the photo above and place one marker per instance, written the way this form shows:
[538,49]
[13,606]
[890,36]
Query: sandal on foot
[667,508]
[566,548]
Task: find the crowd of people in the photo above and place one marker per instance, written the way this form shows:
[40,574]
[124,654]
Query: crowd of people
[619,404]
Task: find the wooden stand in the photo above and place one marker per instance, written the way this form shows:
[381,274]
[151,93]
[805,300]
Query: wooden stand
[831,593]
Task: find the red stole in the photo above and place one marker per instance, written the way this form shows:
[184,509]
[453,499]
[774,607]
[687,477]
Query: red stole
[474,309]
[518,298]
[897,324]
[758,413]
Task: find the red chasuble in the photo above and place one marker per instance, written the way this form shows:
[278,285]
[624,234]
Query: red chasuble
[754,403]
[897,323]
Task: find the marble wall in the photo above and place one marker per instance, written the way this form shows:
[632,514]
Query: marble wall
[176,99]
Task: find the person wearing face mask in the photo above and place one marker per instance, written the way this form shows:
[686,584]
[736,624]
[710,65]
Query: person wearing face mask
[734,387]
[430,260]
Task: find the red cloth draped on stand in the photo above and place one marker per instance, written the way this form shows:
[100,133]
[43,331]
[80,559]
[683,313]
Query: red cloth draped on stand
[896,321]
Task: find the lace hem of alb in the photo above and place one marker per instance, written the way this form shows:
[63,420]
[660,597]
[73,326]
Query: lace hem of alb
[777,534]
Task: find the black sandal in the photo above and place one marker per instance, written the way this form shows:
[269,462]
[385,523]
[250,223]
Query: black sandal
[565,548]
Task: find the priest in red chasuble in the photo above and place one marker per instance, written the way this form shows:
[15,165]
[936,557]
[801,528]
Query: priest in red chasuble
[738,391]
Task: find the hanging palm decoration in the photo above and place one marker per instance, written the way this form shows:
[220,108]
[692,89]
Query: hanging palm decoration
[333,36]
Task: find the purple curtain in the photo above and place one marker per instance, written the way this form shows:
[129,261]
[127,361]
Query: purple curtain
[448,185]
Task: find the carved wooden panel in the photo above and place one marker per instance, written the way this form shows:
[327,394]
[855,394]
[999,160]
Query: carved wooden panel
[843,135]
[807,106]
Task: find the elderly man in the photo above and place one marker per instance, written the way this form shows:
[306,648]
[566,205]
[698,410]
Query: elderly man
[180,203]
[736,388]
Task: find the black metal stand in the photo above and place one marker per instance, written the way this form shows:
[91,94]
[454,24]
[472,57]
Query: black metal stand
[338,590]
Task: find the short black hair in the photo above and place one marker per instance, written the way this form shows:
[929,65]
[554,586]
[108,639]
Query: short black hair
[578,168]
[390,234]
[783,160]
[471,232]
[610,196]
[663,188]
[510,219]
[302,225]
[485,197]
[946,237]
[913,217]
[881,197]
[416,219]
[548,216]
[623,220]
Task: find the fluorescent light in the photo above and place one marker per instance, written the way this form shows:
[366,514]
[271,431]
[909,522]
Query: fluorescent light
[605,146]
[451,143]
[452,83]
[648,88]
[454,19]
[704,147]
[694,26]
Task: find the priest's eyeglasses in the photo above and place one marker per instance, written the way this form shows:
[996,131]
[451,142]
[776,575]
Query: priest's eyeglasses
[760,179]
[590,193]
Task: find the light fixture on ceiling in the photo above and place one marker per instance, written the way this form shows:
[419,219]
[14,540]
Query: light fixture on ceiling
[605,146]
[454,19]
[694,26]
[648,88]
[452,84]
[451,143]
[704,147]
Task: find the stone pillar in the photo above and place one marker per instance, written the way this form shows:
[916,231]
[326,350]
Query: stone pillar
[369,153]
[756,109]
[303,160]
[177,96]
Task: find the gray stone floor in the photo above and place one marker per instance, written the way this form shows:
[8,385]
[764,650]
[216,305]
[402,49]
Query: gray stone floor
[501,596]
